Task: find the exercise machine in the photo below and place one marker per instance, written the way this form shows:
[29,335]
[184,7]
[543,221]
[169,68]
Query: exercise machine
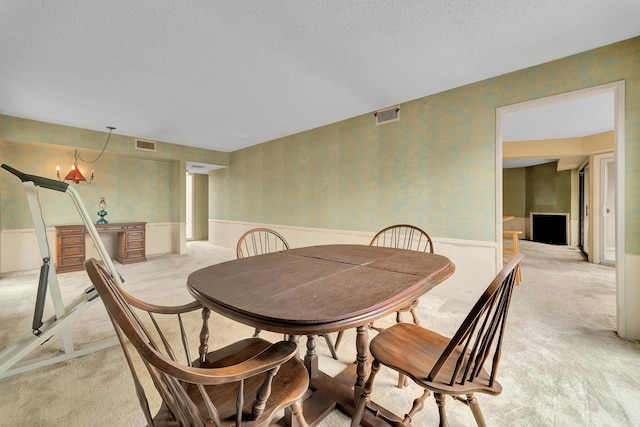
[11,358]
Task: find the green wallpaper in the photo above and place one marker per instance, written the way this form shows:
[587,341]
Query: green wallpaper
[355,175]
[434,168]
[31,131]
[135,190]
[137,185]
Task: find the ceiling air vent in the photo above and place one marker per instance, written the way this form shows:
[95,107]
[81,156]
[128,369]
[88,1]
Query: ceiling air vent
[143,144]
[391,114]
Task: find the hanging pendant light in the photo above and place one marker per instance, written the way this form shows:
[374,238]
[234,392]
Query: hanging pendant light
[74,174]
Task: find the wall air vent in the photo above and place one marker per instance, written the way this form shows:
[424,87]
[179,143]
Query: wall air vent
[144,144]
[391,114]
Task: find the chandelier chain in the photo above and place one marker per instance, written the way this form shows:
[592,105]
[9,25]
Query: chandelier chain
[111,128]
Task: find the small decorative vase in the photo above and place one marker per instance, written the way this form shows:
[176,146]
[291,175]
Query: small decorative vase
[102,213]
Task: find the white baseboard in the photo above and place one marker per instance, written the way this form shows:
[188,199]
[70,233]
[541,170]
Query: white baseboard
[20,251]
[475,260]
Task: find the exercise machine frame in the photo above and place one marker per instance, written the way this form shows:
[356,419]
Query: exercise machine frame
[11,358]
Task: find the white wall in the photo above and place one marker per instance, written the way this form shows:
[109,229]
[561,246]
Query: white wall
[20,250]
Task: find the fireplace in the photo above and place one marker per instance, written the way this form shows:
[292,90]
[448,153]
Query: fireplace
[550,228]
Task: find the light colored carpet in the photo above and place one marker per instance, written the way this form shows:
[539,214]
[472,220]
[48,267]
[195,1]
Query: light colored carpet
[562,363]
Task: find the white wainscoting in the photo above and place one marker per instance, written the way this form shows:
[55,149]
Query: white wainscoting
[629,327]
[20,250]
[475,261]
[160,238]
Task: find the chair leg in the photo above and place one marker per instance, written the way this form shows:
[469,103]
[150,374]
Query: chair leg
[203,349]
[295,416]
[414,315]
[375,328]
[256,333]
[331,347]
[441,410]
[366,395]
[418,405]
[475,409]
[338,339]
[403,381]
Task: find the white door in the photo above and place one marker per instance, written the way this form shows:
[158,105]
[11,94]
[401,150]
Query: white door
[608,210]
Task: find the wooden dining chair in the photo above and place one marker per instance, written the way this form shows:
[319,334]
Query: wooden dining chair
[260,241]
[401,236]
[245,383]
[404,236]
[458,366]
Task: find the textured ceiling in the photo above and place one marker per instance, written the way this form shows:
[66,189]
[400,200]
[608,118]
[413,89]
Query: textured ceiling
[229,74]
[574,118]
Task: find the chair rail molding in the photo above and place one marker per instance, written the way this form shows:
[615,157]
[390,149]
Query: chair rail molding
[475,260]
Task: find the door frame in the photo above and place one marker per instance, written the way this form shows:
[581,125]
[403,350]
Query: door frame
[618,90]
[598,192]
[585,207]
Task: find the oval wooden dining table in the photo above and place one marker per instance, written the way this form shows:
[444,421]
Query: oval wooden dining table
[317,290]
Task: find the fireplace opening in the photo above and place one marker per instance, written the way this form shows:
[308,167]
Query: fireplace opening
[549,228]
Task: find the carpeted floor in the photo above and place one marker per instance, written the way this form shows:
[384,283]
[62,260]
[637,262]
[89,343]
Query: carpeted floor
[562,363]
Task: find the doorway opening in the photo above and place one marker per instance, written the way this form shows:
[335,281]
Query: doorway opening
[189,207]
[595,235]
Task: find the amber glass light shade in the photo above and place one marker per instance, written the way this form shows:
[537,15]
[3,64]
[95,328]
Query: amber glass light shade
[75,175]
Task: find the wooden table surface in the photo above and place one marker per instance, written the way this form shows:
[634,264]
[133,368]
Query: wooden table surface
[317,290]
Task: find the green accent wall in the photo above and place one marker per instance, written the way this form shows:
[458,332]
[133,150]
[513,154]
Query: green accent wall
[435,167]
[547,190]
[514,191]
[538,188]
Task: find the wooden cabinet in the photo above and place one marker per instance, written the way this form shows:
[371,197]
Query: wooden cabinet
[71,244]
[131,244]
[70,248]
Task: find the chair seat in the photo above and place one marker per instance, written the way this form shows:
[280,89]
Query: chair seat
[289,384]
[414,350]
[244,383]
[447,366]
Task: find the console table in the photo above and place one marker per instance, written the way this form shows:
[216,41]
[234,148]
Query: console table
[71,244]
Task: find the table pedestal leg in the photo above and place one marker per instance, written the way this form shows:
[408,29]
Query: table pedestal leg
[362,369]
[311,357]
[328,393]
